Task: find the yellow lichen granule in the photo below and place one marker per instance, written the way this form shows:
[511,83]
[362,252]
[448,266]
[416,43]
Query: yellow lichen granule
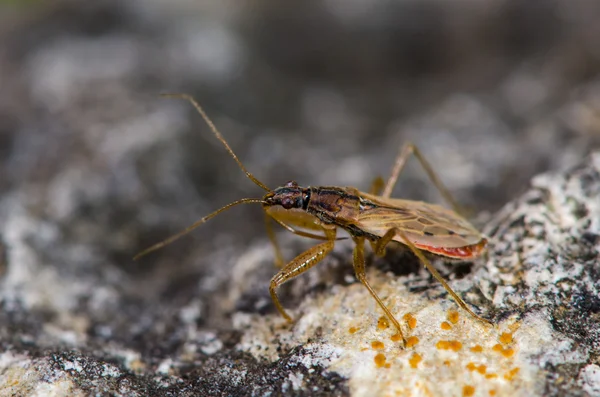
[479,368]
[377,345]
[506,352]
[353,330]
[411,341]
[380,360]
[505,338]
[383,323]
[414,360]
[468,391]
[410,320]
[453,316]
[510,375]
[446,326]
[477,349]
[396,337]
[449,345]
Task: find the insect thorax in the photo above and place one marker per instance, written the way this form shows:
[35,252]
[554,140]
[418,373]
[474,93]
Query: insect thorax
[334,205]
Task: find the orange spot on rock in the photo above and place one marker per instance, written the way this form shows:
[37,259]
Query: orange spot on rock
[442,345]
[447,363]
[468,390]
[506,352]
[411,341]
[353,330]
[479,368]
[510,375]
[513,327]
[477,349]
[396,337]
[410,320]
[455,345]
[449,345]
[446,326]
[414,360]
[383,323]
[377,345]
[506,338]
[492,392]
[380,360]
[491,376]
[453,316]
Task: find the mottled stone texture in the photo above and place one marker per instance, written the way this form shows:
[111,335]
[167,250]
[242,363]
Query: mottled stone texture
[95,167]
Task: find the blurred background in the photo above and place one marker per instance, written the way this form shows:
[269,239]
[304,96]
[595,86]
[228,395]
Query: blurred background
[95,166]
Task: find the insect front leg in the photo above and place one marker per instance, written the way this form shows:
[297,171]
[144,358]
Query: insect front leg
[403,156]
[273,239]
[285,219]
[389,236]
[377,186]
[299,265]
[359,270]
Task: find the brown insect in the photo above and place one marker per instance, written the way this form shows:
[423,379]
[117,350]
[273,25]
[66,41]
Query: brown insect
[317,212]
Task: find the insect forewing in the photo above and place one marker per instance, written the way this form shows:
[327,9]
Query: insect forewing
[424,224]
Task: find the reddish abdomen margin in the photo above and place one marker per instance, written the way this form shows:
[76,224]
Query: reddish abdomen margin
[466,252]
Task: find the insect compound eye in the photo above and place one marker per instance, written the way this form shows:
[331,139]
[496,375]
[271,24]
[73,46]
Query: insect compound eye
[291,184]
[287,203]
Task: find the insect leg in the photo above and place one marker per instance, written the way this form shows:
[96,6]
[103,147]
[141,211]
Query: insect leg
[405,152]
[299,265]
[380,247]
[296,219]
[273,239]
[377,186]
[302,233]
[359,270]
[278,256]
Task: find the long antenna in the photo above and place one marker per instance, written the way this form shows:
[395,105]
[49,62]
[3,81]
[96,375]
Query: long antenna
[194,225]
[215,131]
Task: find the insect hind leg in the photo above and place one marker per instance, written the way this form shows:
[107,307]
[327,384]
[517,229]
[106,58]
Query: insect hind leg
[406,151]
[389,236]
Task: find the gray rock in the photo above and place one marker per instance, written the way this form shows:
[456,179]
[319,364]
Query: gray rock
[95,168]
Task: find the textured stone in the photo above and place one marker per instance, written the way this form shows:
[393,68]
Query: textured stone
[95,168]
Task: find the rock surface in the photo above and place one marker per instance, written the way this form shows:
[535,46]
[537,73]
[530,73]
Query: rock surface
[96,168]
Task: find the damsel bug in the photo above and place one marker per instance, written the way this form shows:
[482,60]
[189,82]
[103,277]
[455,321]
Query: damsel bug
[374,217]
